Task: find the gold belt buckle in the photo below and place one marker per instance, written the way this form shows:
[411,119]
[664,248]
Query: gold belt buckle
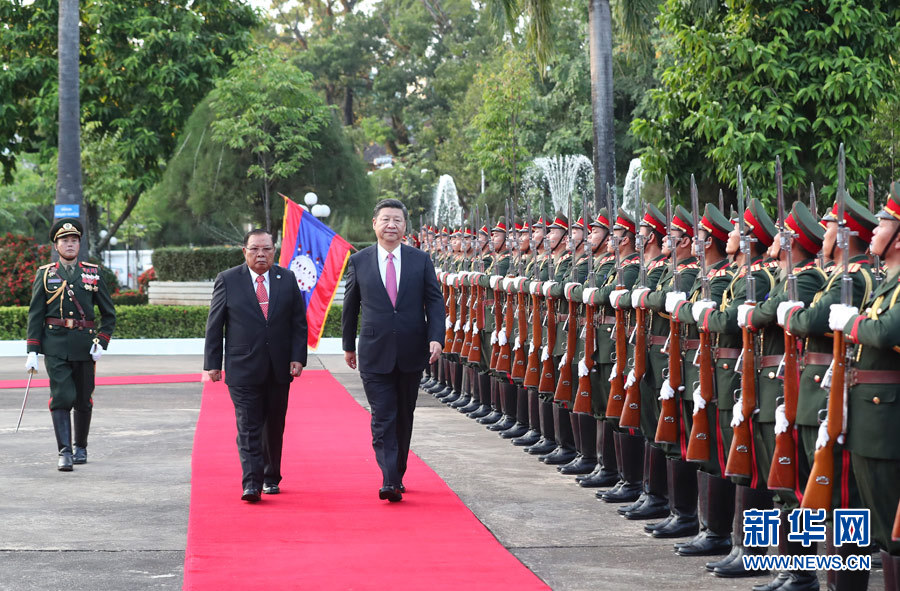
[70,323]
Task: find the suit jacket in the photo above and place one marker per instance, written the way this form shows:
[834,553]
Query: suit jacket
[253,343]
[392,336]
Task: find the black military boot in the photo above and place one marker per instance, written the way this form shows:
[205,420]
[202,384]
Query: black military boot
[746,498]
[716,499]
[507,394]
[644,486]
[607,472]
[484,396]
[442,380]
[81,421]
[565,438]
[683,496]
[795,580]
[841,580]
[519,409]
[547,442]
[495,414]
[632,469]
[656,503]
[62,427]
[586,442]
[617,449]
[455,383]
[891,567]
[533,435]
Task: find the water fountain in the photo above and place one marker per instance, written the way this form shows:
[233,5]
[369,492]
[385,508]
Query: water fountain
[563,175]
[445,207]
[629,192]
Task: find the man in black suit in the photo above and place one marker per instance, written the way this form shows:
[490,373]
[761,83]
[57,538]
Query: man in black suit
[263,314]
[395,288]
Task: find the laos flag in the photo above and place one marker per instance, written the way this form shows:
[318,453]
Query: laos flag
[317,256]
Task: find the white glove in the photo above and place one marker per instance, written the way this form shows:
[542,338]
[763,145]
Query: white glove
[501,337]
[637,295]
[495,281]
[31,362]
[451,278]
[546,287]
[507,281]
[456,326]
[534,288]
[562,362]
[583,368]
[447,324]
[672,299]
[665,391]
[738,417]
[475,327]
[518,345]
[783,308]
[466,327]
[494,336]
[588,294]
[438,271]
[568,287]
[629,381]
[614,373]
[614,297]
[822,439]
[743,311]
[781,422]
[545,354]
[840,315]
[531,348]
[96,351]
[700,307]
[699,402]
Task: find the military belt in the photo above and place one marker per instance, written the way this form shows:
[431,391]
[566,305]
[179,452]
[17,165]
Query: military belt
[811,358]
[872,376]
[769,360]
[657,340]
[607,319]
[562,317]
[726,353]
[689,343]
[70,323]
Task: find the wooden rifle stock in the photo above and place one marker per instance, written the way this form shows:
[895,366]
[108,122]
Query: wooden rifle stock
[520,356]
[820,485]
[547,383]
[469,320]
[565,385]
[584,390]
[617,386]
[478,324]
[783,473]
[450,299]
[740,458]
[667,427]
[498,322]
[462,311]
[533,369]
[631,412]
[895,533]
[504,362]
[698,449]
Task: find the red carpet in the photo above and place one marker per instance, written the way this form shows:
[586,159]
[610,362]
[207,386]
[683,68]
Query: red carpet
[178,378]
[328,529]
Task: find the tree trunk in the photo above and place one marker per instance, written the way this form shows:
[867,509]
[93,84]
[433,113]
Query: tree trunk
[600,33]
[348,105]
[68,181]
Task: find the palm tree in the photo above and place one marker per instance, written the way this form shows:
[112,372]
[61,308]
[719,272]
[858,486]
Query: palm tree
[68,181]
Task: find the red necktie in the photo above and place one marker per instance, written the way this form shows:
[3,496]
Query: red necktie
[262,296]
[390,279]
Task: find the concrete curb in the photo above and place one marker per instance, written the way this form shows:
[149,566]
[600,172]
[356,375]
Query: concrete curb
[327,346]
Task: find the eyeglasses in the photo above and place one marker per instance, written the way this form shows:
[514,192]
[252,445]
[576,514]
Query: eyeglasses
[266,249]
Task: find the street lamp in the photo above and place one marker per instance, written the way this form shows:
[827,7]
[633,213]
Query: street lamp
[319,210]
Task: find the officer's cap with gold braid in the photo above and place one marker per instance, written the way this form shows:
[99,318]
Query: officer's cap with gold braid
[807,231]
[683,220]
[483,230]
[602,220]
[858,218]
[66,227]
[579,224]
[523,227]
[654,219]
[759,224]
[624,221]
[561,222]
[500,226]
[715,222]
[540,223]
[891,209]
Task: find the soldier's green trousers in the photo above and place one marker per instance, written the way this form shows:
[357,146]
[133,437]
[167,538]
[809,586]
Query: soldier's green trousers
[71,383]
[879,487]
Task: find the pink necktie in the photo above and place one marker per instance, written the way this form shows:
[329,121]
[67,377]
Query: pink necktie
[262,296]
[390,279]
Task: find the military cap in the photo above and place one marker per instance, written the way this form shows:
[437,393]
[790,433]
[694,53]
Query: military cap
[500,226]
[484,229]
[654,219]
[602,220]
[444,231]
[683,220]
[891,209]
[759,223]
[517,226]
[468,232]
[66,227]
[579,224]
[807,231]
[715,222]
[540,223]
[523,227]
[456,232]
[857,217]
[561,222]
[624,221]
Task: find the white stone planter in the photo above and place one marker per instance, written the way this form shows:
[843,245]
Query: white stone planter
[180,293]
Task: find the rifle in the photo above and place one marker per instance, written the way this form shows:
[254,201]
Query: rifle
[532,367]
[631,411]
[895,533]
[740,458]
[877,274]
[520,357]
[721,203]
[821,478]
[783,472]
[583,389]
[698,442]
[820,256]
[478,295]
[546,384]
[504,362]
[564,386]
[617,385]
[459,336]
[450,305]
[667,427]
[498,319]
[470,302]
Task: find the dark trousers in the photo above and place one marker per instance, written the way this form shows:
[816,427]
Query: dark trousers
[259,411]
[71,383]
[392,400]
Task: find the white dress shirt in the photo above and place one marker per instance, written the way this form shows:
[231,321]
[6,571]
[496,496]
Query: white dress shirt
[265,276]
[382,264]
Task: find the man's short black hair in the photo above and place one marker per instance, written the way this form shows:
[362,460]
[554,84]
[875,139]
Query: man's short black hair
[256,232]
[393,204]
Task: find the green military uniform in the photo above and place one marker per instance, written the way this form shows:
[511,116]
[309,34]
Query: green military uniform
[62,326]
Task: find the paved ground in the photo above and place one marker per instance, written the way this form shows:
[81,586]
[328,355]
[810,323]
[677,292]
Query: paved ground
[120,522]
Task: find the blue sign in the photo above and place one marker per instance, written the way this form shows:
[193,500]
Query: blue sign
[761,527]
[852,526]
[66,210]
[807,526]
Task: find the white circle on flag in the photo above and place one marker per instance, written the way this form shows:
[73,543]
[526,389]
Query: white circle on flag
[305,271]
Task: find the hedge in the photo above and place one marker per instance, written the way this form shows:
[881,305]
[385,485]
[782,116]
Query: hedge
[148,322]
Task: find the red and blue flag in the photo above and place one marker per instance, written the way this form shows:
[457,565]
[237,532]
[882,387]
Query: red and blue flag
[317,256]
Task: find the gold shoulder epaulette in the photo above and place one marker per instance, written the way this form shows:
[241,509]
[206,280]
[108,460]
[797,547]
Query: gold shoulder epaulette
[854,267]
[47,266]
[688,266]
[87,264]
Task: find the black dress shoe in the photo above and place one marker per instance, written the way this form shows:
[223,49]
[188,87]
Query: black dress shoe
[490,418]
[654,508]
[559,456]
[679,527]
[271,489]
[651,527]
[514,432]
[80,455]
[707,545]
[402,488]
[461,402]
[543,446]
[528,439]
[390,493]
[582,466]
[251,495]
[627,493]
[482,411]
[600,479]
[503,424]
[471,407]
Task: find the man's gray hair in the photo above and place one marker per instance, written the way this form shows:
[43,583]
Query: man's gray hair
[393,204]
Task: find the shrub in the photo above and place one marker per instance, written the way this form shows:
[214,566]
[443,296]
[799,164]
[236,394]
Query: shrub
[129,297]
[20,257]
[145,278]
[194,264]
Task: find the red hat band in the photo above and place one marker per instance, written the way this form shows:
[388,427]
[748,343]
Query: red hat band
[893,208]
[757,230]
[683,226]
[579,224]
[717,232]
[863,233]
[603,220]
[654,223]
[561,222]
[625,223]
[801,236]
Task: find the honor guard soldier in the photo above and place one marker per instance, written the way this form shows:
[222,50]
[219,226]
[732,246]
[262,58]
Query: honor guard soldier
[874,391]
[62,327]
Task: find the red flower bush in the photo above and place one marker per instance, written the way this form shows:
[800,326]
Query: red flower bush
[145,278]
[20,257]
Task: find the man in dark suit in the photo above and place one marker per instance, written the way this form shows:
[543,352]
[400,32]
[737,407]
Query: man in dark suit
[395,288]
[263,314]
